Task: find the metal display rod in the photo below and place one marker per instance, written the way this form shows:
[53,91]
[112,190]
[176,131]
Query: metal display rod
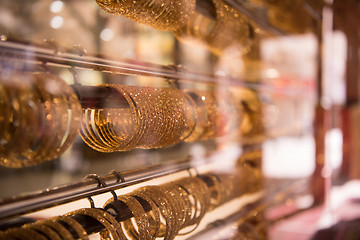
[19,205]
[52,55]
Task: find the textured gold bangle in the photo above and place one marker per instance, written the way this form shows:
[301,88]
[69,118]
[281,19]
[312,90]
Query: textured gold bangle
[43,229]
[139,215]
[79,229]
[102,217]
[165,210]
[23,233]
[183,194]
[166,16]
[59,228]
[153,215]
[180,202]
[201,194]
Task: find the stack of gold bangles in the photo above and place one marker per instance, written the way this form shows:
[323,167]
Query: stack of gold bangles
[225,26]
[174,208]
[168,16]
[39,118]
[159,117]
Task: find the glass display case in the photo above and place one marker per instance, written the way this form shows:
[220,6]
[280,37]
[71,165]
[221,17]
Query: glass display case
[191,119]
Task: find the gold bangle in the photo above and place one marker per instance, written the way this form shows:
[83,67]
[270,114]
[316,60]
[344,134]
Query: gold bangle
[154,219]
[23,233]
[103,217]
[201,194]
[184,195]
[43,229]
[79,229]
[99,127]
[59,228]
[139,215]
[168,16]
[88,134]
[56,108]
[165,210]
[179,201]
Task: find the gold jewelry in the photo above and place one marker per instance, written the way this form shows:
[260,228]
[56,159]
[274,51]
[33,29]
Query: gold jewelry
[104,218]
[153,215]
[179,199]
[165,209]
[39,116]
[69,221]
[43,229]
[201,195]
[204,111]
[23,233]
[156,117]
[59,228]
[165,16]
[140,217]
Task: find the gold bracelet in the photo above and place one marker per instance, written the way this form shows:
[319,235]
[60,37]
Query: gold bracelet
[43,229]
[56,107]
[115,224]
[100,126]
[88,134]
[153,215]
[102,217]
[164,208]
[184,195]
[79,229]
[179,200]
[59,228]
[168,16]
[23,233]
[139,215]
[201,194]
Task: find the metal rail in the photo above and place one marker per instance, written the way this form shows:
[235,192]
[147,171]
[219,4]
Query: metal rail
[54,56]
[19,205]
